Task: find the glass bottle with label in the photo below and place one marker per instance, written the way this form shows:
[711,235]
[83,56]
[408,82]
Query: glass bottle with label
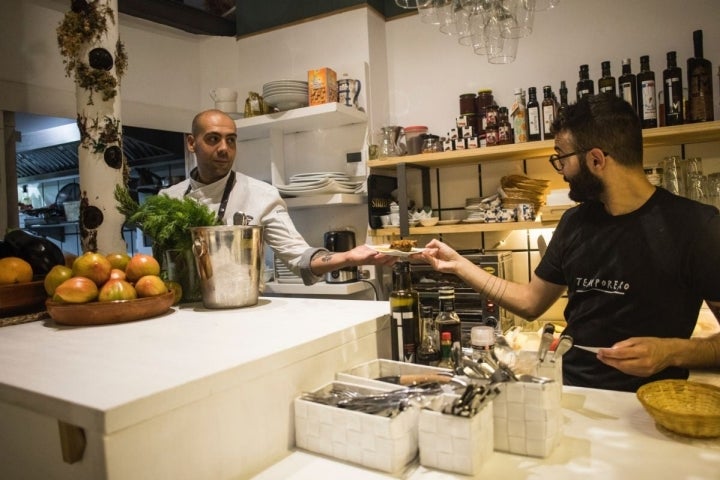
[446,360]
[673,91]
[505,133]
[428,352]
[585,86]
[700,87]
[482,341]
[518,111]
[404,312]
[628,84]
[447,319]
[533,113]
[647,105]
[563,97]
[606,84]
[548,112]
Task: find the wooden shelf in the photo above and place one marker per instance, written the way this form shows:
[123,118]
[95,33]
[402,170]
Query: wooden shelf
[463,228]
[317,117]
[652,137]
[326,200]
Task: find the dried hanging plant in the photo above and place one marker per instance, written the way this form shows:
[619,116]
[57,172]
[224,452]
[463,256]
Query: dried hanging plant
[88,22]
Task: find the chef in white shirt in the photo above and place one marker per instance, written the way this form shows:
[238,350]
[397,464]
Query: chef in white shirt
[214,183]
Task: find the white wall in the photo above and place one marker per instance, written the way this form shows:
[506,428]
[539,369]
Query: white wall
[416,75]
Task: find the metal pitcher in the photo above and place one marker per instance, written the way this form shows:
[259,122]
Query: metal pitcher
[230,262]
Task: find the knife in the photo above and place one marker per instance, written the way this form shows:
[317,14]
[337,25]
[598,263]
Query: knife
[415,379]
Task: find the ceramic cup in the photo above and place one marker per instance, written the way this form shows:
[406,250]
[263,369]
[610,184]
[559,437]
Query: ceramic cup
[222,94]
[348,91]
[385,219]
[394,219]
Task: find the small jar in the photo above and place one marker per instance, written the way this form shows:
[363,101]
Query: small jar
[431,144]
[467,104]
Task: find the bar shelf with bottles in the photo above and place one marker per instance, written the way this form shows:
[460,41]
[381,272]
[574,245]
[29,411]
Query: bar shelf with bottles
[652,137]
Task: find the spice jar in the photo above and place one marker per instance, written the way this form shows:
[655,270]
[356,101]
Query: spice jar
[431,144]
[467,104]
[483,100]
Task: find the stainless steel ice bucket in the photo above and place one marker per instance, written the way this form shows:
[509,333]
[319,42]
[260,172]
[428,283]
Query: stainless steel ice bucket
[229,261]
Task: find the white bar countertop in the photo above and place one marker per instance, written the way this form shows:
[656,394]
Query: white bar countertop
[107,378]
[200,393]
[607,435]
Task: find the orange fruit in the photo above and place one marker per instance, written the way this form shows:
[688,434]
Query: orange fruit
[115,289]
[57,275]
[140,265]
[76,290]
[150,286]
[118,260]
[176,288]
[15,270]
[93,266]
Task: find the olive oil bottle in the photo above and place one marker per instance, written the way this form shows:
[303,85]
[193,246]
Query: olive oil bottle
[628,84]
[700,88]
[673,91]
[647,99]
[405,315]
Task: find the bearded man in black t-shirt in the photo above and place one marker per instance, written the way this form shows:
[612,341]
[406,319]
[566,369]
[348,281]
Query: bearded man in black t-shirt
[637,262]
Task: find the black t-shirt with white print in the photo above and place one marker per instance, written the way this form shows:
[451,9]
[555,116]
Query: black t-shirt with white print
[645,273]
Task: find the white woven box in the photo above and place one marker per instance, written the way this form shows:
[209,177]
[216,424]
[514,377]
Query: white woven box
[373,441]
[454,443]
[367,373]
[528,418]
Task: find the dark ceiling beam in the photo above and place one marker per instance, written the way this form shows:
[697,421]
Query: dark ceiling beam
[177,15]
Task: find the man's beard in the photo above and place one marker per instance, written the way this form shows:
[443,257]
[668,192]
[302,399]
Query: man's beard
[584,185]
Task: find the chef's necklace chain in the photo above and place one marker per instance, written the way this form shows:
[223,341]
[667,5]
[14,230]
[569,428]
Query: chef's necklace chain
[226,195]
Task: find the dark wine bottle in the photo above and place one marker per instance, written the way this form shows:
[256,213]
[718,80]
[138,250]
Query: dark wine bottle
[548,112]
[563,97]
[606,84]
[405,315]
[628,84]
[533,113]
[673,91]
[585,86]
[700,88]
[647,101]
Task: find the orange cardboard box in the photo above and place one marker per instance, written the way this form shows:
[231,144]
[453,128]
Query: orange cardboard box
[322,86]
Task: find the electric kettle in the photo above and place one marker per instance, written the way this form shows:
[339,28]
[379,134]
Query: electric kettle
[341,241]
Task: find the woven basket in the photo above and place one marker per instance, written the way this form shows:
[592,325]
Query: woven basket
[684,407]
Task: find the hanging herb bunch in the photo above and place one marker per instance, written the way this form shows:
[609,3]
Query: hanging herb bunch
[86,22]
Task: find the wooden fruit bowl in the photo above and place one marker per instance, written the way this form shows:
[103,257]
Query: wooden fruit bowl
[104,313]
[21,298]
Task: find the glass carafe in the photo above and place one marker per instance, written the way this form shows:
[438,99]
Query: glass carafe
[390,145]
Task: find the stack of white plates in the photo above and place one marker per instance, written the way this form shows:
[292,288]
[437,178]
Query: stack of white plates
[283,273]
[286,94]
[306,184]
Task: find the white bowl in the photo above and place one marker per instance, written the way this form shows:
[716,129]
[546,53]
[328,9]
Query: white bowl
[429,222]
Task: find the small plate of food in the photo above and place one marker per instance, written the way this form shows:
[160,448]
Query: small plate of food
[398,248]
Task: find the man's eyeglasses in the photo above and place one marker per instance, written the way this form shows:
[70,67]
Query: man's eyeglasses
[557,160]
